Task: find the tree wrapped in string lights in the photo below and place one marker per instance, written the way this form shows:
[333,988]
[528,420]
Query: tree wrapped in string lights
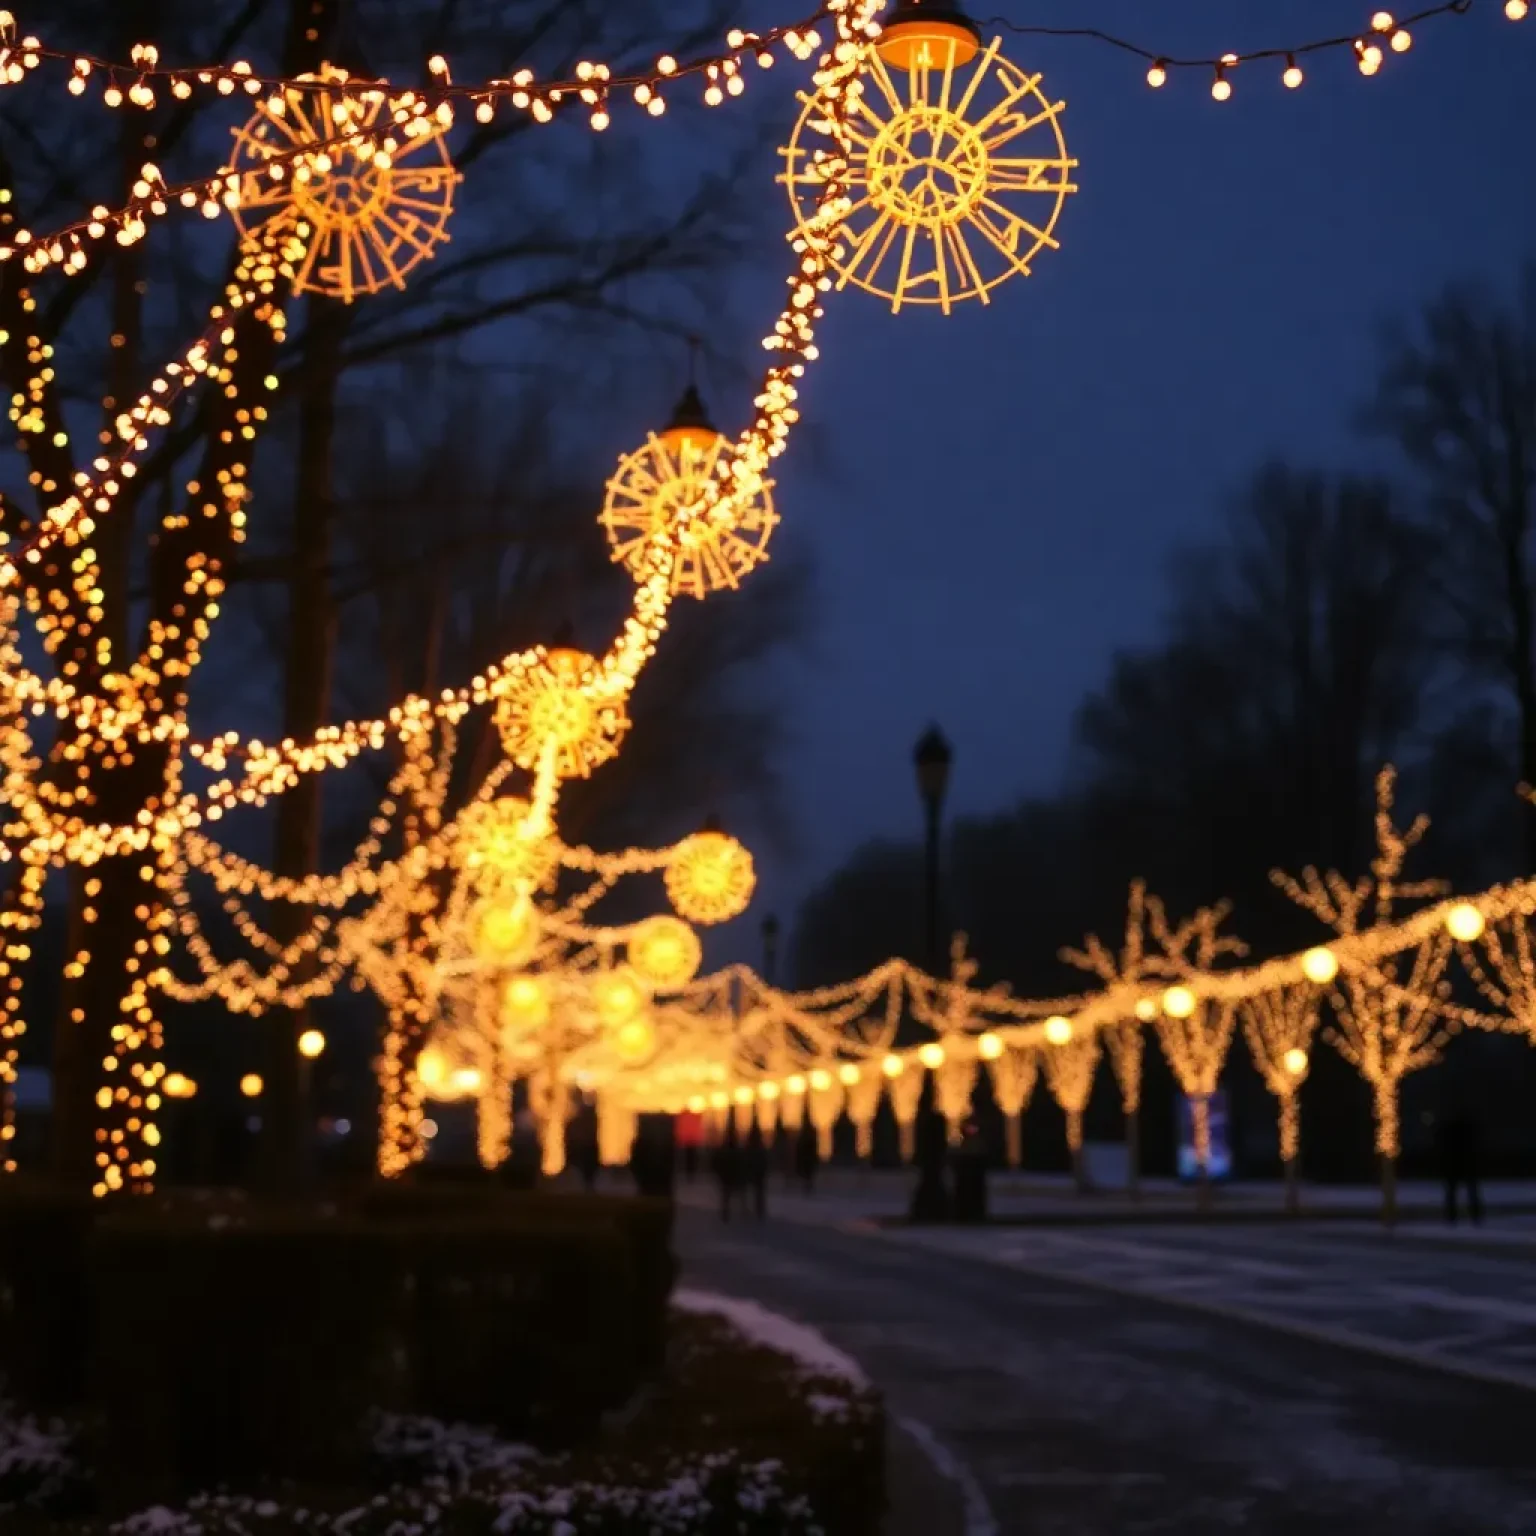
[1125,1041]
[1279,1027]
[1387,1019]
[1194,1033]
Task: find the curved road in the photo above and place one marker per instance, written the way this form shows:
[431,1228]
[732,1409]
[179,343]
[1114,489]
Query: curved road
[1086,1413]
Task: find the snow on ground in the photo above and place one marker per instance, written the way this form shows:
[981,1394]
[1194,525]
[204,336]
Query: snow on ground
[772,1331]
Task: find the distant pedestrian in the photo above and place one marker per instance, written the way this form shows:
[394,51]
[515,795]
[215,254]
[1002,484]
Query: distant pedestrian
[1459,1159]
[807,1158]
[726,1162]
[754,1166]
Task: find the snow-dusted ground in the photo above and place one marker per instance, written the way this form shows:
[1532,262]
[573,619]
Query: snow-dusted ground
[1083,1410]
[773,1331]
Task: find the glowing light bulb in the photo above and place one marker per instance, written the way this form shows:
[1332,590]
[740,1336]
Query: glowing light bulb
[1179,1002]
[1157,76]
[1464,922]
[1402,40]
[1320,965]
[795,1085]
[1221,87]
[893,1066]
[1516,10]
[1295,1061]
[1293,75]
[821,1080]
[848,1074]
[1058,1029]
[989,1046]
[251,1085]
[931,1055]
[768,1091]
[311,1043]
[1146,1009]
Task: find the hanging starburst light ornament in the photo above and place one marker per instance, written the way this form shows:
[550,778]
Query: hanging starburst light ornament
[710,878]
[664,499]
[378,208]
[558,698]
[959,166]
[499,844]
[665,951]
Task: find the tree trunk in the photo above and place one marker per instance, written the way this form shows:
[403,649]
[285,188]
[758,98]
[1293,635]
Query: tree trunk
[1200,1129]
[1079,1158]
[1292,1187]
[1133,1151]
[1388,1190]
[1014,1131]
[287,1116]
[907,1130]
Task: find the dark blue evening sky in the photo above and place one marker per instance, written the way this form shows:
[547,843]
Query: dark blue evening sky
[995,496]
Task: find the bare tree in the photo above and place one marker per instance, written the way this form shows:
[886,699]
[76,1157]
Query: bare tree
[1457,394]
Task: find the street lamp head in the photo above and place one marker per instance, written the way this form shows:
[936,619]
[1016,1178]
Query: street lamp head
[932,757]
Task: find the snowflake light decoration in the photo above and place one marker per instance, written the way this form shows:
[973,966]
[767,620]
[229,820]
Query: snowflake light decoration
[556,701]
[377,209]
[664,498]
[710,878]
[959,168]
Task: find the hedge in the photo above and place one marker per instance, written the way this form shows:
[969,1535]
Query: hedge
[45,1342]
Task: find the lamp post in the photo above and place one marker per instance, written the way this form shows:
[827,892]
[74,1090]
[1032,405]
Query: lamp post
[931,758]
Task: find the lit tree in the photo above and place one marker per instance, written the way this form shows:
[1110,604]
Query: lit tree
[1505,973]
[1014,1072]
[1279,1026]
[1070,1065]
[1194,1032]
[1387,1024]
[1125,1041]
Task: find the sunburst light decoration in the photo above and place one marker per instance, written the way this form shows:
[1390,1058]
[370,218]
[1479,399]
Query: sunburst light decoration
[959,165]
[379,208]
[710,878]
[664,499]
[557,701]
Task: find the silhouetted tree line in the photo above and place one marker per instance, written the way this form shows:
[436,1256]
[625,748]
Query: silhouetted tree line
[1339,621]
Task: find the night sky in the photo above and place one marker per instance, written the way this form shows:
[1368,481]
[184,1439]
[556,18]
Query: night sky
[992,498]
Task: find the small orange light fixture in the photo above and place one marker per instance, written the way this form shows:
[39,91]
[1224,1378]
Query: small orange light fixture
[251,1085]
[931,1055]
[311,1044]
[1295,1061]
[893,1066]
[989,1046]
[928,34]
[690,431]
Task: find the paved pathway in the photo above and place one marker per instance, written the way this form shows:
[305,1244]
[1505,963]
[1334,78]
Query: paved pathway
[1084,1411]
